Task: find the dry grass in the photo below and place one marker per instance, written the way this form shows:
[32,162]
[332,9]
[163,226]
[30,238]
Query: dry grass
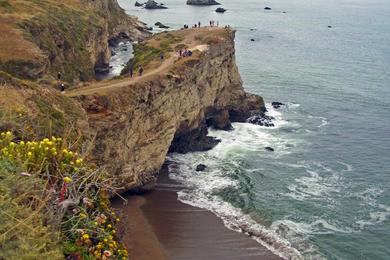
[14,45]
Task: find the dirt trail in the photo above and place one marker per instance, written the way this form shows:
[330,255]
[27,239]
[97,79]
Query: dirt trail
[108,85]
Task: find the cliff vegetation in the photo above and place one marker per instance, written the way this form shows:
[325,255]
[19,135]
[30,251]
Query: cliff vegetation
[41,38]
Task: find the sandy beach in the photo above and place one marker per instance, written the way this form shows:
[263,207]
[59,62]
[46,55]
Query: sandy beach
[158,226]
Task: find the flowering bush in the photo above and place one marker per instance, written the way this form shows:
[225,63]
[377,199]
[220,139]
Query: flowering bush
[76,196]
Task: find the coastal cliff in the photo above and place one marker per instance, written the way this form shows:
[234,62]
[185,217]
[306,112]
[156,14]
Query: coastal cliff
[138,123]
[42,38]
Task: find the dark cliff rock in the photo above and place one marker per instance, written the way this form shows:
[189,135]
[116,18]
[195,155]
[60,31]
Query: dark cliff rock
[160,25]
[136,127]
[150,4]
[220,10]
[202,2]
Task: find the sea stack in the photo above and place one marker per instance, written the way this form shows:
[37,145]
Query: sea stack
[202,2]
[150,4]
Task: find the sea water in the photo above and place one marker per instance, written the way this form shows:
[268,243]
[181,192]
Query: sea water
[324,193]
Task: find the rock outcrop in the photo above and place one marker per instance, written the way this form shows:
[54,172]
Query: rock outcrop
[220,10]
[202,2]
[71,37]
[150,4]
[136,126]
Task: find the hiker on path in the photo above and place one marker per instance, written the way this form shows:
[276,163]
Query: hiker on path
[199,24]
[62,88]
[162,56]
[141,70]
[59,75]
[131,71]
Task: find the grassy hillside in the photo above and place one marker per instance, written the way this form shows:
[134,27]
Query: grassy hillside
[49,36]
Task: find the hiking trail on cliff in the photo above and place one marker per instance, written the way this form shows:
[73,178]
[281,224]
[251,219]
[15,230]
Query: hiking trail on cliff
[107,85]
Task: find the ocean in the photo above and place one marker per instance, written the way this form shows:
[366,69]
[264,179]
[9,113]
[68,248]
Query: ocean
[324,193]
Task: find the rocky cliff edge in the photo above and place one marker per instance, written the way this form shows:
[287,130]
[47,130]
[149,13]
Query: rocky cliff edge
[137,122]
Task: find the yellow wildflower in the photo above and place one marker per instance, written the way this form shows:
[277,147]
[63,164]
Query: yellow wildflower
[67,180]
[85,236]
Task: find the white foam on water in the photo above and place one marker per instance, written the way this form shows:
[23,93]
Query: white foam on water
[317,181]
[248,138]
[379,212]
[349,167]
[201,187]
[324,122]
[201,194]
[278,120]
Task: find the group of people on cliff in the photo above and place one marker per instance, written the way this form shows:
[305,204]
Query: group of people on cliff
[198,25]
[185,53]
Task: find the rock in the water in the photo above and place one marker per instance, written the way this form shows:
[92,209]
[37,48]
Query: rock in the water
[277,104]
[269,149]
[261,119]
[252,40]
[220,10]
[201,168]
[102,69]
[150,4]
[137,4]
[160,25]
[149,28]
[267,8]
[329,26]
[202,2]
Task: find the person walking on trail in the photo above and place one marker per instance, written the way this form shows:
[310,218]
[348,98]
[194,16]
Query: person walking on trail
[199,24]
[161,56]
[59,75]
[131,71]
[62,88]
[141,70]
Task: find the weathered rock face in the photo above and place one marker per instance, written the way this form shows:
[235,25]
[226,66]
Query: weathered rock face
[150,4]
[202,2]
[136,126]
[74,38]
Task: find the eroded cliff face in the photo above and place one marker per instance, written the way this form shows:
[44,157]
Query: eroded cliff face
[136,126]
[70,37]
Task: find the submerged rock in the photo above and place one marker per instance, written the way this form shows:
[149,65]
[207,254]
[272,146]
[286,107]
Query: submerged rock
[252,40]
[150,4]
[202,2]
[267,8]
[220,10]
[261,119]
[277,104]
[160,25]
[201,167]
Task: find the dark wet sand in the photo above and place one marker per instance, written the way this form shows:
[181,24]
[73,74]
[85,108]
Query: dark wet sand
[161,227]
